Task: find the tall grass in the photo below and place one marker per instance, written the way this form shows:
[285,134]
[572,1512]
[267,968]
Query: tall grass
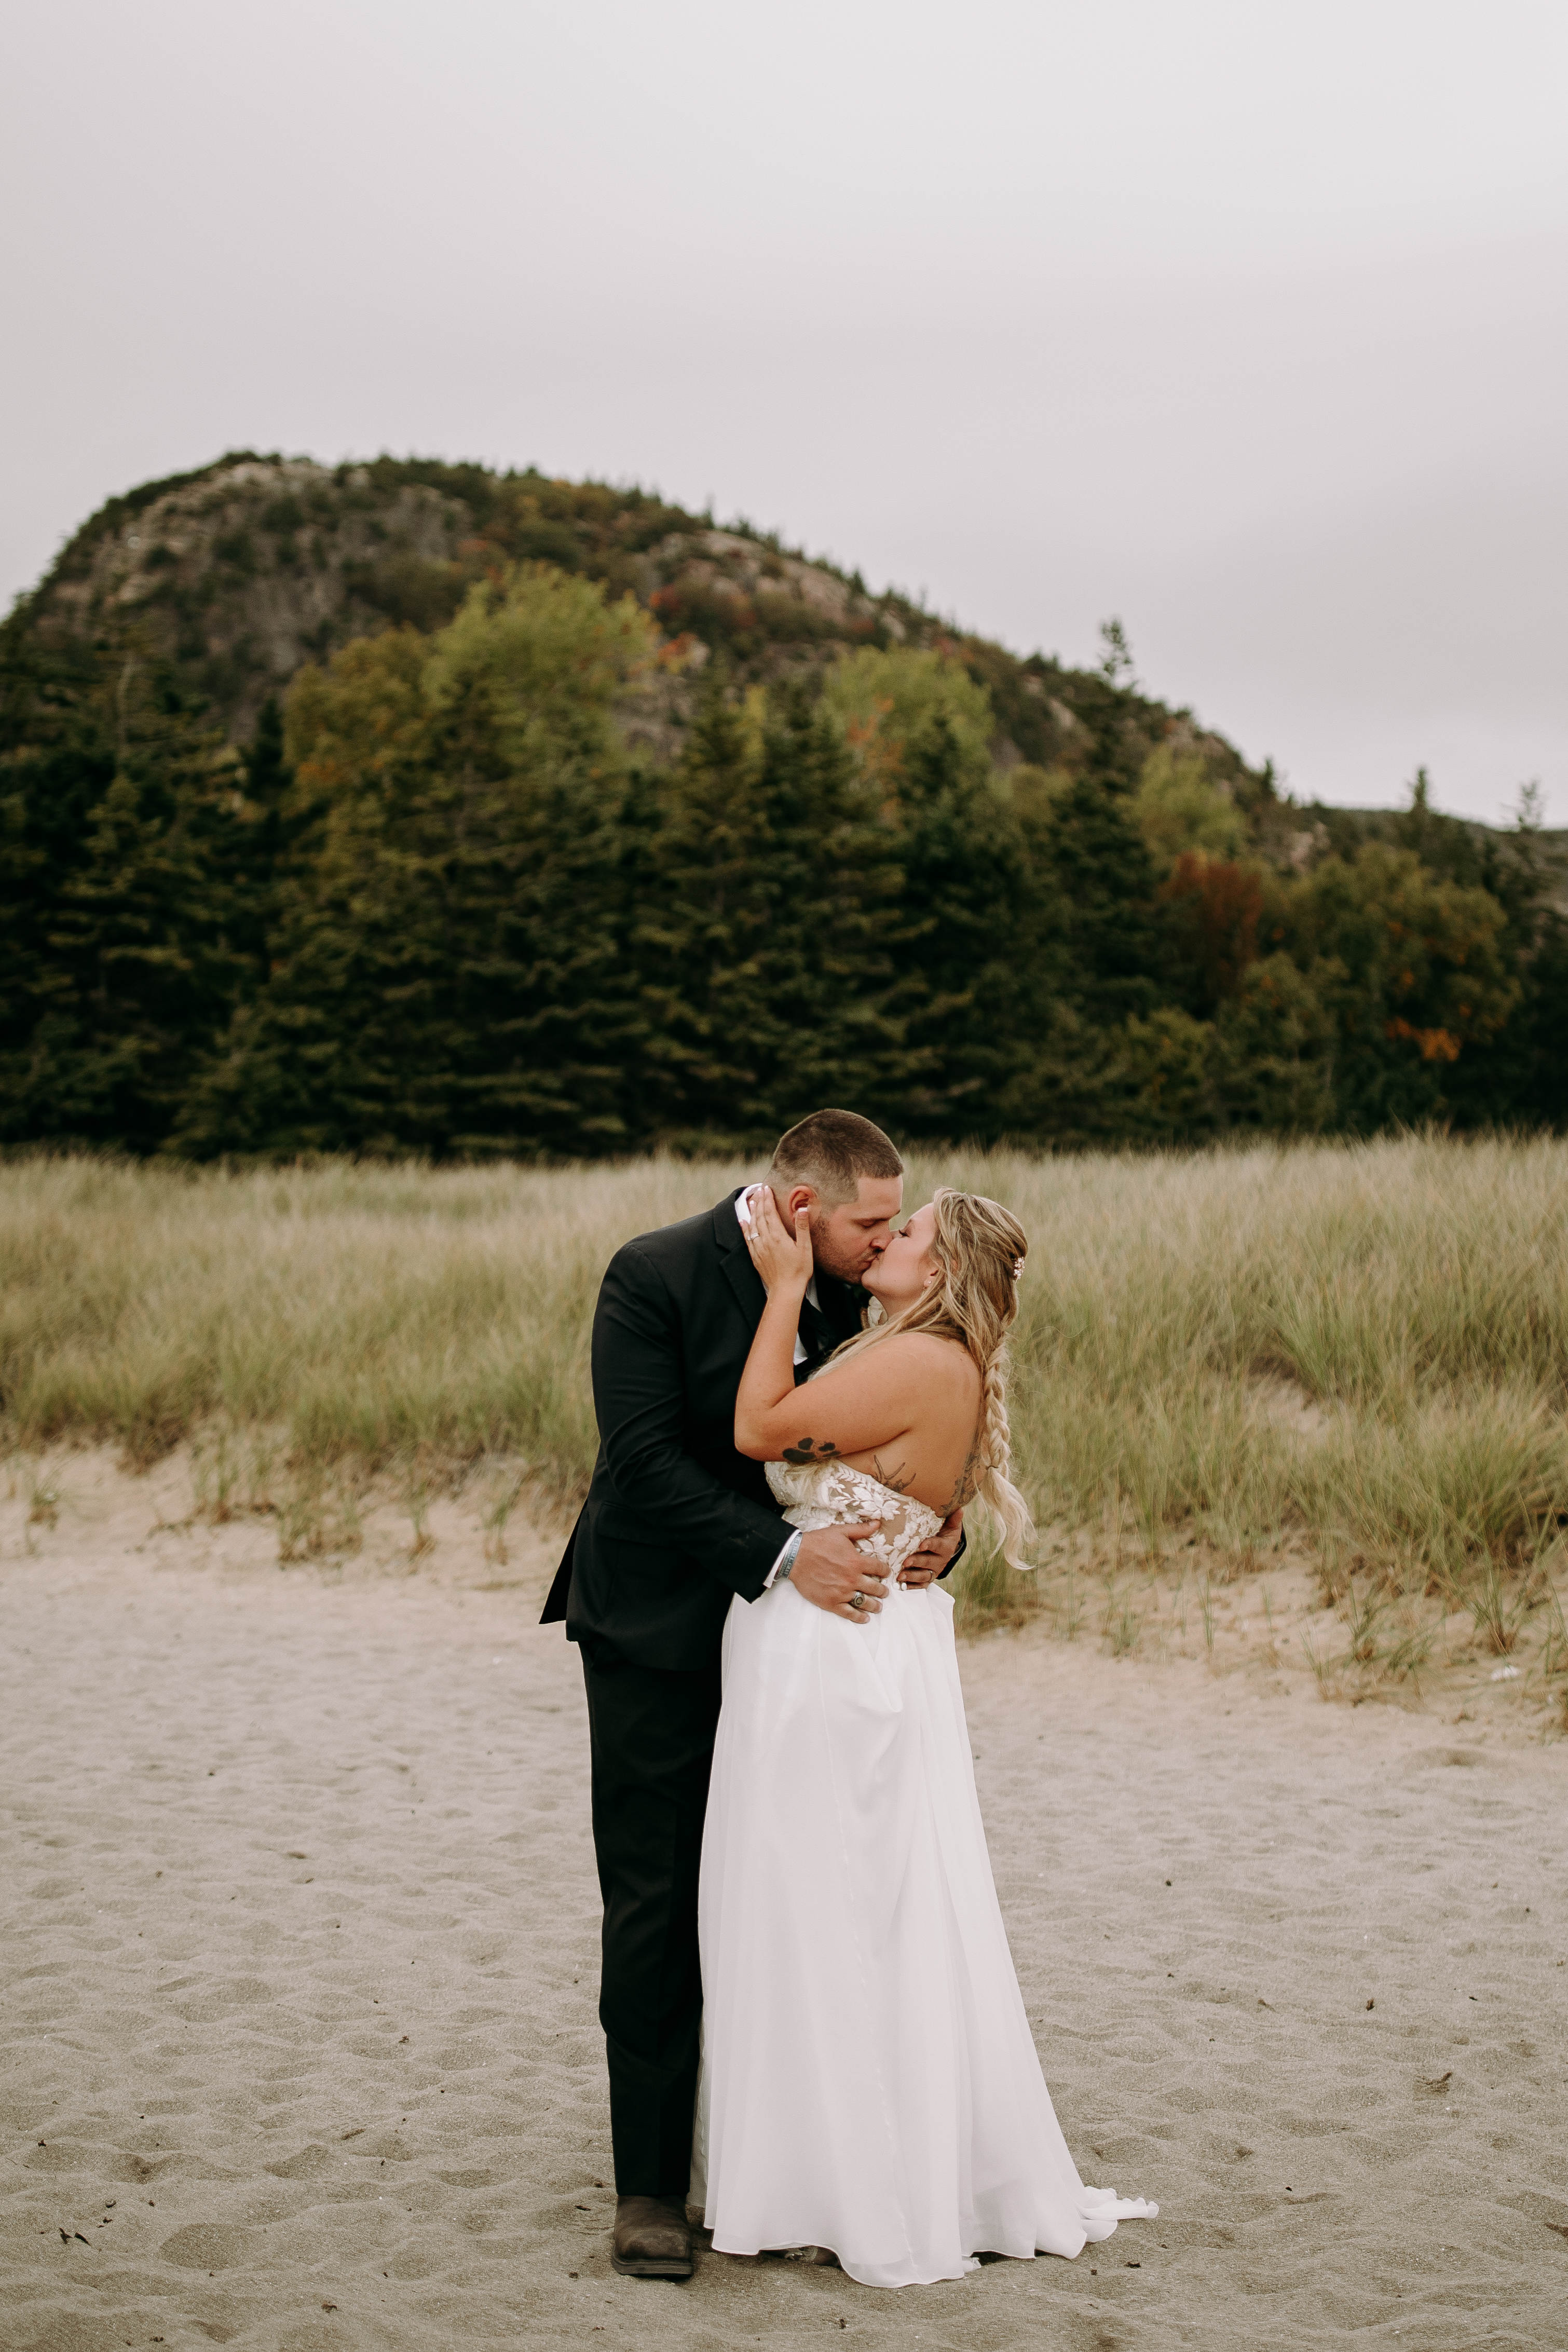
[1369,1344]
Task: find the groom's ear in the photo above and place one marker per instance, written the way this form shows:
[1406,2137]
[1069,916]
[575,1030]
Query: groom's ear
[798,1197]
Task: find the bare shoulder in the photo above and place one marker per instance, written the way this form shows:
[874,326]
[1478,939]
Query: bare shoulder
[934,1362]
[914,1366]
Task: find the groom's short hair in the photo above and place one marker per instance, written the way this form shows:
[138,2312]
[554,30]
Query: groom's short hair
[832,1150]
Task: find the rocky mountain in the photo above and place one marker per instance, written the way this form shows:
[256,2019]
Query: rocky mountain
[242,572]
[1046,907]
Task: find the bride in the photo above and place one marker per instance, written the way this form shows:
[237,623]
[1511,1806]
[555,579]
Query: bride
[869,2086]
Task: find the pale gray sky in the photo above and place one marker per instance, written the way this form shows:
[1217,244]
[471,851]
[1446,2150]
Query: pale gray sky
[1244,320]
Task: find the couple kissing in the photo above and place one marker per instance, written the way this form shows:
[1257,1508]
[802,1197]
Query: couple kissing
[814,2031]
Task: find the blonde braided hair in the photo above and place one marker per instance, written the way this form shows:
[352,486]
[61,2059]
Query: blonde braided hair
[979,1248]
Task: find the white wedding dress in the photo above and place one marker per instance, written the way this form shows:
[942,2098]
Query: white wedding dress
[869,2080]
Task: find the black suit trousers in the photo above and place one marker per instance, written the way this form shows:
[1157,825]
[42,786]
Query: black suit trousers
[651,1733]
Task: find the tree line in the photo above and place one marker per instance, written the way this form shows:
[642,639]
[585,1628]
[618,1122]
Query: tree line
[438,906]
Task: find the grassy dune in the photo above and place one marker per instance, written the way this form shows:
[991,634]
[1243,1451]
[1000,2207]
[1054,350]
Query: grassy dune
[1363,1350]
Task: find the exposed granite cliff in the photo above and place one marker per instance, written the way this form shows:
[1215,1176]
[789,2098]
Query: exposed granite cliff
[246,569]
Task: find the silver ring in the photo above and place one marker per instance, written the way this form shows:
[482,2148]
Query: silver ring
[857,1601]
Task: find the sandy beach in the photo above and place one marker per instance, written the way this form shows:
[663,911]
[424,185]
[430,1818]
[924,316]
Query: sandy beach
[300,1969]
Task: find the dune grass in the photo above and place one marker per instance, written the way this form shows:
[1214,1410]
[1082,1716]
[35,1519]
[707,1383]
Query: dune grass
[1366,1347]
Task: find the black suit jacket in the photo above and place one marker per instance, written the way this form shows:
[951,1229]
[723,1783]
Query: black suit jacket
[676,1521]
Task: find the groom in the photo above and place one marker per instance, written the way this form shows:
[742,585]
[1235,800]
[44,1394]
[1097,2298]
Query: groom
[676,1523]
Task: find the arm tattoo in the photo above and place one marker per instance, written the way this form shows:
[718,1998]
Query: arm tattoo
[808,1449]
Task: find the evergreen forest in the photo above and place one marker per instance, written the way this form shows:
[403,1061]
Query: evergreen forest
[408,809]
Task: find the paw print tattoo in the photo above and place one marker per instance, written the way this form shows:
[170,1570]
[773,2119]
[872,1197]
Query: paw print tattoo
[807,1450]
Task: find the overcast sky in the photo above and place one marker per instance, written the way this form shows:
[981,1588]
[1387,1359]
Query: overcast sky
[1241,320]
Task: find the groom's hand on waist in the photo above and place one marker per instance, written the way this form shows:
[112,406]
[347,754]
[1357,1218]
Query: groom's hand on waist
[934,1558]
[828,1569]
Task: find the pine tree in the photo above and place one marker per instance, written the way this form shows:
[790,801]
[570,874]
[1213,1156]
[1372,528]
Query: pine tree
[121,850]
[973,941]
[765,951]
[539,1020]
[1113,948]
[446,970]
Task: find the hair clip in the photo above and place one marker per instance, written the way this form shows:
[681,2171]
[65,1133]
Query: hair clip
[1018,1269]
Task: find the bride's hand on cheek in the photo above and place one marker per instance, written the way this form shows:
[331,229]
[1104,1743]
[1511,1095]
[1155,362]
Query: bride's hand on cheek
[780,1257]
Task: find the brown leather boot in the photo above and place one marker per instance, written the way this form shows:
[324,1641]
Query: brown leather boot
[653,2238]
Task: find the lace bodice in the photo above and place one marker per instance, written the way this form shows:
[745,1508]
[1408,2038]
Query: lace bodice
[829,1493]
